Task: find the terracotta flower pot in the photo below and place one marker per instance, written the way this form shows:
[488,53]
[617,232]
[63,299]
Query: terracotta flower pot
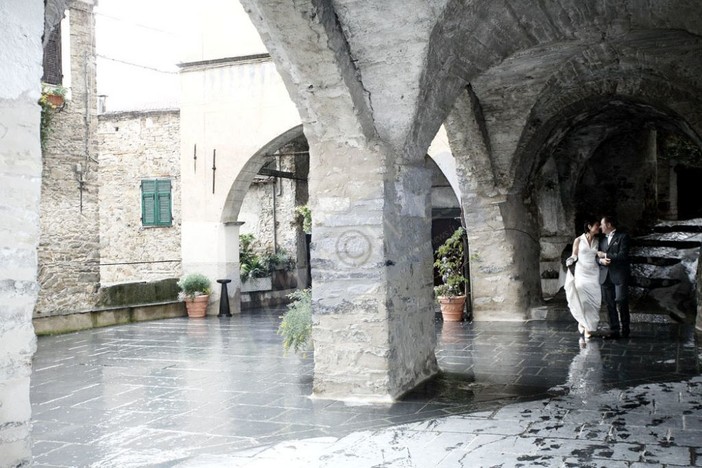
[55,100]
[197,307]
[452,308]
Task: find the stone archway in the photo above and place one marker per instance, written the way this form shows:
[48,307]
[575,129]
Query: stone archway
[256,167]
[237,191]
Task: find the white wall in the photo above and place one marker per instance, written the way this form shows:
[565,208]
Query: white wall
[21,23]
[234,108]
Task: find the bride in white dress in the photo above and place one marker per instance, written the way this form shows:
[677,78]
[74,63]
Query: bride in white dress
[582,289]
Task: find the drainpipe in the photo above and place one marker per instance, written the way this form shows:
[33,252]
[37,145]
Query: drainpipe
[275,234]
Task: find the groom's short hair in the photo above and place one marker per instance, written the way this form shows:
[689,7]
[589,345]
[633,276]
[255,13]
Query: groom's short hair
[610,219]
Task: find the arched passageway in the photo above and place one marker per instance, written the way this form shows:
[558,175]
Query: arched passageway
[262,201]
[512,82]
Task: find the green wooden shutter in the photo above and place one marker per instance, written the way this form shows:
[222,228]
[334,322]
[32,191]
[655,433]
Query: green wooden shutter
[156,202]
[148,202]
[163,202]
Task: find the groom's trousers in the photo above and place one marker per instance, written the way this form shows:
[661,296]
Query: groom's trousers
[616,296]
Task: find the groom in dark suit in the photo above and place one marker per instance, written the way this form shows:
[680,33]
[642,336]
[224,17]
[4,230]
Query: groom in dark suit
[613,258]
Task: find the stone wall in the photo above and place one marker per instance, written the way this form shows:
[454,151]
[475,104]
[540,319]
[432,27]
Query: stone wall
[21,23]
[69,249]
[272,201]
[136,146]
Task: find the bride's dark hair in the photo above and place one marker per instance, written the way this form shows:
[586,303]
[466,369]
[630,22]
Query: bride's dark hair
[590,221]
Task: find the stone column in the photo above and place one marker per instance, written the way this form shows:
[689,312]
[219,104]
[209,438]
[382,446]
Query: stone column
[650,179]
[371,248]
[371,272]
[698,322]
[498,290]
[20,170]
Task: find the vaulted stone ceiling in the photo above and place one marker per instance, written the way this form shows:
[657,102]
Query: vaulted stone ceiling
[411,58]
[517,83]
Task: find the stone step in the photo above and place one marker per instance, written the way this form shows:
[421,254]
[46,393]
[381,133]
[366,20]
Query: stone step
[678,244]
[677,240]
[688,225]
[666,252]
[652,283]
[650,260]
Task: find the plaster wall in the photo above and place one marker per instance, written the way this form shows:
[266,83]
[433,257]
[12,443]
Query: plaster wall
[219,29]
[136,146]
[228,113]
[22,23]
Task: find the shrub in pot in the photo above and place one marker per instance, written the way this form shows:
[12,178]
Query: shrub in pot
[449,261]
[195,291]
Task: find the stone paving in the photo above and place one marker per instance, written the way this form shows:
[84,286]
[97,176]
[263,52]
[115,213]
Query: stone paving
[220,392]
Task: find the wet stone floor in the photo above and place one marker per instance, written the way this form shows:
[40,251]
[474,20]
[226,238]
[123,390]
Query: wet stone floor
[220,392]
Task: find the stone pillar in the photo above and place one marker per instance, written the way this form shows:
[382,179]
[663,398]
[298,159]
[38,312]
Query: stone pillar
[698,323]
[373,337]
[555,232]
[212,248]
[498,290]
[673,190]
[369,194]
[650,178]
[20,170]
[229,268]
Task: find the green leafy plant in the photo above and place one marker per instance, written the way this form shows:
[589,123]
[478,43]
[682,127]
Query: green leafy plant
[194,284]
[304,212]
[296,326]
[51,101]
[251,265]
[449,262]
[282,260]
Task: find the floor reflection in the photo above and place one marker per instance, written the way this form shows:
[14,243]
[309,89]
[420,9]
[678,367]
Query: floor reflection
[585,373]
[489,363]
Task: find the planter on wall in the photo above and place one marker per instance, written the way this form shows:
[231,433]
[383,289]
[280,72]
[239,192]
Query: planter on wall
[55,100]
[283,279]
[257,284]
[197,306]
[452,308]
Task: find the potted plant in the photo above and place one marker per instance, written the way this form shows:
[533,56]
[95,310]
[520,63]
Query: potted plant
[51,101]
[296,326]
[195,291]
[254,271]
[449,261]
[281,265]
[53,95]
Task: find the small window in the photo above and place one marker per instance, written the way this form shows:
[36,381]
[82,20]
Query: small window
[52,58]
[156,202]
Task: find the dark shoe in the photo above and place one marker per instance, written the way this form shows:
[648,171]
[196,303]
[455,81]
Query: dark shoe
[625,334]
[613,336]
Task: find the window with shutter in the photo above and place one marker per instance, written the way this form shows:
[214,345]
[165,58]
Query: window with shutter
[53,73]
[156,202]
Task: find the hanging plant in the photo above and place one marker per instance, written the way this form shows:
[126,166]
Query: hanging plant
[305,217]
[52,100]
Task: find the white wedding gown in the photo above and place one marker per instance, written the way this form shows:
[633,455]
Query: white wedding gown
[583,291]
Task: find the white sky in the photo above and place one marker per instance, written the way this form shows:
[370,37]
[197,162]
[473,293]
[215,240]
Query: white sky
[139,43]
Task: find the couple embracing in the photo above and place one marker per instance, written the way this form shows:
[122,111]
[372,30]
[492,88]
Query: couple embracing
[599,267]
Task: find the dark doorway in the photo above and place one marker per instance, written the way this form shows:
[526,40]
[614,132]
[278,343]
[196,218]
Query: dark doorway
[689,192]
